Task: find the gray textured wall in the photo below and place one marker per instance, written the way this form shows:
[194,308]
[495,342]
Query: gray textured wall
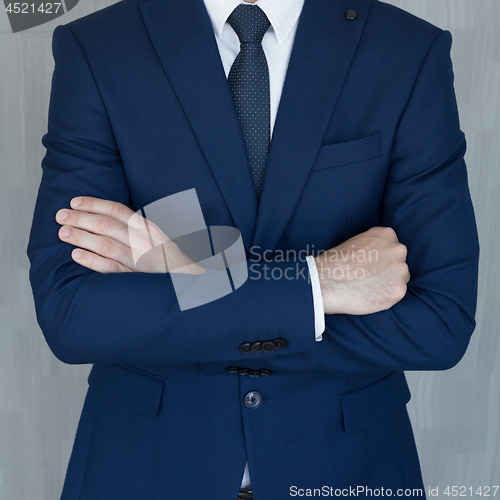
[456,413]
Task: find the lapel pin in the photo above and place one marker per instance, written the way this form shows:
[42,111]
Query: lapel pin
[351,15]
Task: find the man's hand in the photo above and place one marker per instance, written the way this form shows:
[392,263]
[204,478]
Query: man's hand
[365,274]
[103,231]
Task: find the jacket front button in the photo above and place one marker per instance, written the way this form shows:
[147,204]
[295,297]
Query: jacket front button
[351,15]
[246,348]
[253,399]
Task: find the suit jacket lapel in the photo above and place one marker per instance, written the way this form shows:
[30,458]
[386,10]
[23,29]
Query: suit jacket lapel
[324,46]
[183,38]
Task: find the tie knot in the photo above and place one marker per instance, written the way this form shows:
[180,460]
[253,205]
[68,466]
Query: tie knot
[249,22]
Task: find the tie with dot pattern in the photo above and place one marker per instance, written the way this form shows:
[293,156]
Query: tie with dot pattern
[249,84]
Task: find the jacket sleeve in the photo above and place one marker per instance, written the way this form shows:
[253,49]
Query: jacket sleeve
[427,203]
[89,317]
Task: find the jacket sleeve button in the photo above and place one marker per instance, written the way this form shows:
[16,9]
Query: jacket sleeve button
[268,346]
[265,372]
[257,347]
[280,343]
[246,348]
[232,369]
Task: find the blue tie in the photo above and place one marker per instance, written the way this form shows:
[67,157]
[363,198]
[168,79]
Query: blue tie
[249,84]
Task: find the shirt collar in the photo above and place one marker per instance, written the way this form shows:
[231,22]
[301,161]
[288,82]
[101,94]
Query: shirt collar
[282,14]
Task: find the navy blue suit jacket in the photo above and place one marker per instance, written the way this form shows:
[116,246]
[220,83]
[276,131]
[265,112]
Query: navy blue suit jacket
[367,134]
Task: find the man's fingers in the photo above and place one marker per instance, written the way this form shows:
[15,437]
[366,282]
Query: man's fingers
[101,245]
[139,236]
[112,219]
[97,263]
[99,206]
[94,223]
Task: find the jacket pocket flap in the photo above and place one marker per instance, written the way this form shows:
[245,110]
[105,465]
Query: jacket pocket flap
[375,402]
[346,153]
[134,389]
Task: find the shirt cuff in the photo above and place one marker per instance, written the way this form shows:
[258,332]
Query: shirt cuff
[319,310]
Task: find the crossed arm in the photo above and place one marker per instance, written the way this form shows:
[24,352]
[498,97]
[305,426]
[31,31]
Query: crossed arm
[100,229]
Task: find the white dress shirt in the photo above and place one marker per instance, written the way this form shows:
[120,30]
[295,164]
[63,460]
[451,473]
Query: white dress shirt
[277,44]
